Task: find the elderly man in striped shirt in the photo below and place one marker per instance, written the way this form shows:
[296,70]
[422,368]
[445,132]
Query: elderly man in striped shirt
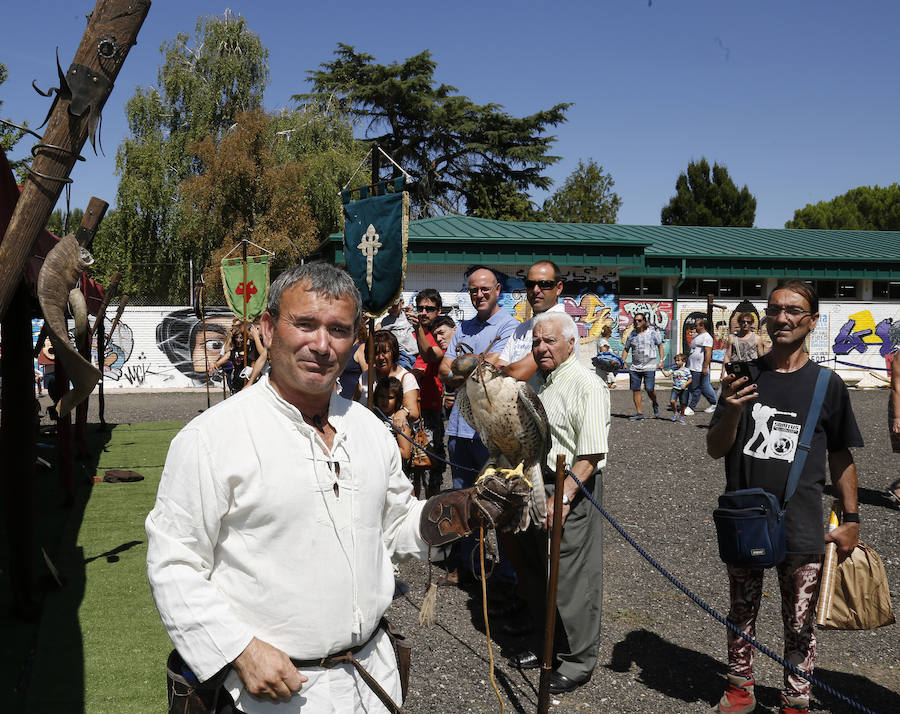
[577,404]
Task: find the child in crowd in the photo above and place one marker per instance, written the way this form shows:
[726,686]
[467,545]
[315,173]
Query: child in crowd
[681,380]
[606,366]
[389,399]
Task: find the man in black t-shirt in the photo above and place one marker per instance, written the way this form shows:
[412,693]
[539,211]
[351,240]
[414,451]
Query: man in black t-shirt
[756,427]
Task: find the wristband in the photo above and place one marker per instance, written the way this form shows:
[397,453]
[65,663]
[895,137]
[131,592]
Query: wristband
[851,518]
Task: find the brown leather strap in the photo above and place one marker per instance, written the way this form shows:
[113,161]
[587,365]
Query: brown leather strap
[371,681]
[348,657]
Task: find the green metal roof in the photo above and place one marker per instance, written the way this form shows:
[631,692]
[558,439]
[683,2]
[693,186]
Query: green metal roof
[658,250]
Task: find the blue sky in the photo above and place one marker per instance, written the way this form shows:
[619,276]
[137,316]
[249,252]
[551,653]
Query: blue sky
[798,99]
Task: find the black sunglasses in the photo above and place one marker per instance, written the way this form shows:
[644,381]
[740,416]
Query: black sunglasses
[426,308]
[542,284]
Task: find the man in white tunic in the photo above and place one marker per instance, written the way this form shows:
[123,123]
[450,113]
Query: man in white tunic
[277,516]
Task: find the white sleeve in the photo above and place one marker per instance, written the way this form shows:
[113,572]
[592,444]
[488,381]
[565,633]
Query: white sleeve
[402,512]
[182,530]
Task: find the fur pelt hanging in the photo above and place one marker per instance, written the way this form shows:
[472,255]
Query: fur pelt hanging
[59,275]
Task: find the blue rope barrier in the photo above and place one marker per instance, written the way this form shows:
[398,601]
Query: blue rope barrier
[387,420]
[714,613]
[677,583]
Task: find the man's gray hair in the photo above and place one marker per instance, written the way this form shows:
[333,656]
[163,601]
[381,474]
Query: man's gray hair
[566,324]
[321,278]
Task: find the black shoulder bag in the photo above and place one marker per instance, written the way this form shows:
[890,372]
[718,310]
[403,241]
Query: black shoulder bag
[750,522]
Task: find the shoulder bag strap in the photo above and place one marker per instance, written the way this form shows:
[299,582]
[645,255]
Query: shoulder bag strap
[806,435]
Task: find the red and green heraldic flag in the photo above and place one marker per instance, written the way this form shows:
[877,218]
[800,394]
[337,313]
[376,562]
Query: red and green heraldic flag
[256,290]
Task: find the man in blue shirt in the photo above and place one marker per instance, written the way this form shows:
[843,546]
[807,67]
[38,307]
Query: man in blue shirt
[487,333]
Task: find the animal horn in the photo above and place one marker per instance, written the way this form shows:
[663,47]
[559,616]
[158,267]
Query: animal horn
[59,275]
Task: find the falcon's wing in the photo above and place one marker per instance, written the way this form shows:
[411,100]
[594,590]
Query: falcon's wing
[530,403]
[464,405]
[534,454]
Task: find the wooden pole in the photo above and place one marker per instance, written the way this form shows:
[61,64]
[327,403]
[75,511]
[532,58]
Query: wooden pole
[90,222]
[552,582]
[246,297]
[101,365]
[111,31]
[370,342]
[99,329]
[115,323]
[203,329]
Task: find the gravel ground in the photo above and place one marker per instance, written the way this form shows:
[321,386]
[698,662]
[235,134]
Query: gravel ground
[659,651]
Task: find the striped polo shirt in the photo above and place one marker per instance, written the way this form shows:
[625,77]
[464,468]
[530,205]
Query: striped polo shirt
[577,404]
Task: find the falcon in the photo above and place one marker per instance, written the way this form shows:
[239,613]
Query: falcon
[512,423]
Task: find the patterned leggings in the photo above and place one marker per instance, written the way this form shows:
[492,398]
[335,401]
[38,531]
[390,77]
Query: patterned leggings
[798,578]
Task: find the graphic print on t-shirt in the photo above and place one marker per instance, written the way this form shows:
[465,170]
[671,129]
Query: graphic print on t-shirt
[779,442]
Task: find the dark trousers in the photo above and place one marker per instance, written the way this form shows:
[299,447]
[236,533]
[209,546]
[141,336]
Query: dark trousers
[579,599]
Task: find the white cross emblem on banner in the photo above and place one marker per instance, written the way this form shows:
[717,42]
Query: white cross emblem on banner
[369,245]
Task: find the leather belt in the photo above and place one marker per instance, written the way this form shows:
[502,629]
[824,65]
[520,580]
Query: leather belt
[348,657]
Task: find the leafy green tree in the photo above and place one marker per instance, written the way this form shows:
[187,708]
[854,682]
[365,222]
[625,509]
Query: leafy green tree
[10,136]
[453,146]
[57,221]
[242,191]
[867,208]
[492,197]
[586,196]
[704,198]
[203,85]
[323,144]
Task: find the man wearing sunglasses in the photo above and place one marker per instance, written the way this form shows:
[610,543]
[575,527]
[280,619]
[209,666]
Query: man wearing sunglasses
[645,344]
[774,404]
[431,389]
[543,286]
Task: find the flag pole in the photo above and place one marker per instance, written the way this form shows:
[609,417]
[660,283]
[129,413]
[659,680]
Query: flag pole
[246,297]
[370,342]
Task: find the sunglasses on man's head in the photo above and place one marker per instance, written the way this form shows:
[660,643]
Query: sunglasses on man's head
[542,284]
[426,308]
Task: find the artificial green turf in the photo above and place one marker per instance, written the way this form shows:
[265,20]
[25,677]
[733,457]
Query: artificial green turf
[100,646]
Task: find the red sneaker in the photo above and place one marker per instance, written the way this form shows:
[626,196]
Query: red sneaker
[738,697]
[793,705]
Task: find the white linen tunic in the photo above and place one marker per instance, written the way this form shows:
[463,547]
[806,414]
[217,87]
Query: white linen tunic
[258,530]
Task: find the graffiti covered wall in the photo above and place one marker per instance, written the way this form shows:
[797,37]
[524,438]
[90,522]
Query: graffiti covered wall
[853,338]
[166,347]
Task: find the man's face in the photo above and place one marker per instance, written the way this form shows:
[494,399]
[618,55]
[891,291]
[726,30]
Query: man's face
[484,291]
[640,322]
[426,311]
[542,287]
[443,335]
[310,341]
[548,346]
[785,328]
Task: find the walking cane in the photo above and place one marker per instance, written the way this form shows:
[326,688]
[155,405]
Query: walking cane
[552,581]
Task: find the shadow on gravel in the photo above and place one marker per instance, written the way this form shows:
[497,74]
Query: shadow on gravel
[862,689]
[869,496]
[675,671]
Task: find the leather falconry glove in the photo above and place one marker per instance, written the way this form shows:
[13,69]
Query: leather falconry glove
[494,502]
